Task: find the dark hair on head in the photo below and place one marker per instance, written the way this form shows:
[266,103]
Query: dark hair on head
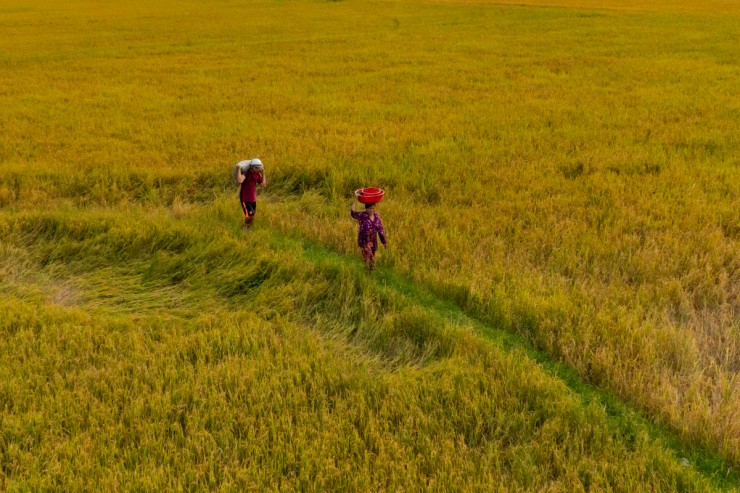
[367,206]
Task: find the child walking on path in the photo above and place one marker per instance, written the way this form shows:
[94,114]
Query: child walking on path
[248,194]
[370,228]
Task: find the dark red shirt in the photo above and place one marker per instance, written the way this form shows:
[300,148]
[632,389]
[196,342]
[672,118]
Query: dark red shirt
[249,186]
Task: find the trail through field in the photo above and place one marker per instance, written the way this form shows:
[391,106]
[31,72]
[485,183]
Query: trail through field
[158,272]
[558,308]
[626,419]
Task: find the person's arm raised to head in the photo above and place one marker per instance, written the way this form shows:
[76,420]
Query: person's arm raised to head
[264,178]
[239,176]
[352,211]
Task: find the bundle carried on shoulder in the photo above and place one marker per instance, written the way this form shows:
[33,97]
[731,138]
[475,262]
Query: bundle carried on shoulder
[244,166]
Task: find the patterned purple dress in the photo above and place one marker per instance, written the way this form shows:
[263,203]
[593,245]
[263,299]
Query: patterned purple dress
[367,237]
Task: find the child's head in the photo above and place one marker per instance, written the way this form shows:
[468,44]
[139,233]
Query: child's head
[369,207]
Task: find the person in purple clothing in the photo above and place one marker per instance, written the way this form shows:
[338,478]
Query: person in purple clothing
[371,227]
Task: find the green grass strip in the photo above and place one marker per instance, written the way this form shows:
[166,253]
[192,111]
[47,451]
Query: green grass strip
[623,417]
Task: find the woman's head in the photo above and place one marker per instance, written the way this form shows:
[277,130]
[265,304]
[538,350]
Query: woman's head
[256,165]
[369,207]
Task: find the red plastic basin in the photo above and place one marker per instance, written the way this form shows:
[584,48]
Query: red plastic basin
[369,195]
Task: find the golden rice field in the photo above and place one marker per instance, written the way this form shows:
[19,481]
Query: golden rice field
[558,308]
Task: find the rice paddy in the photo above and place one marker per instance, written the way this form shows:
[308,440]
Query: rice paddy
[557,309]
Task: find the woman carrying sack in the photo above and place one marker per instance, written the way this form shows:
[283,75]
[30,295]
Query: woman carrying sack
[248,174]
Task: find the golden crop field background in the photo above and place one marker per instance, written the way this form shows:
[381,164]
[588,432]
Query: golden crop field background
[557,309]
